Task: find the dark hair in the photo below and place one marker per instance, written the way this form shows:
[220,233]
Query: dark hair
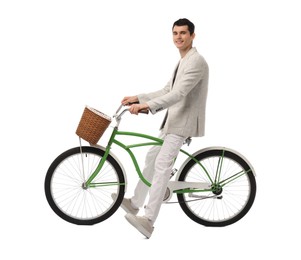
[184,21]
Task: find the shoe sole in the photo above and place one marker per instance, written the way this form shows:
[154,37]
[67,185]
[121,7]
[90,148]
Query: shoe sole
[132,220]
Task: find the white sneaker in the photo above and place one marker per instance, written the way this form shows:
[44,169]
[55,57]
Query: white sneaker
[142,224]
[126,205]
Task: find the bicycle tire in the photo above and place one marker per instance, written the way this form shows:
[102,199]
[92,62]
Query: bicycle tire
[67,196]
[235,199]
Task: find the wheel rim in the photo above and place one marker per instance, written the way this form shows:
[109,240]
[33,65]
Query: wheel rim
[231,198]
[70,194]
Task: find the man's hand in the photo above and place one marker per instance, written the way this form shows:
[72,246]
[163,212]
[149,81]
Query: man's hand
[131,99]
[135,108]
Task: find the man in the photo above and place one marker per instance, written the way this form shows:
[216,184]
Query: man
[184,97]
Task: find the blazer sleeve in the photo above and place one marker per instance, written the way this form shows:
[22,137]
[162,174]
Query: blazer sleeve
[144,98]
[194,71]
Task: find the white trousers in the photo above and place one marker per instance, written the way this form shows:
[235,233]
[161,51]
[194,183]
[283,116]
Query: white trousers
[158,165]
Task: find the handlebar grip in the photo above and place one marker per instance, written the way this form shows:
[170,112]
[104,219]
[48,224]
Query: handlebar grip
[144,111]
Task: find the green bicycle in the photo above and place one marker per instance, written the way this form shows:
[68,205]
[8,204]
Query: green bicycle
[215,186]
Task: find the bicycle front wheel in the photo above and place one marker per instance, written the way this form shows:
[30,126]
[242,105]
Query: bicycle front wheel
[232,190]
[66,192]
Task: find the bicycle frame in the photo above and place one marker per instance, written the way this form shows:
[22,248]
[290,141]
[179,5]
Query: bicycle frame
[128,148]
[175,186]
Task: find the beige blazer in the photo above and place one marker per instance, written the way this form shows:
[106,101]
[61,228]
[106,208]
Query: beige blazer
[185,99]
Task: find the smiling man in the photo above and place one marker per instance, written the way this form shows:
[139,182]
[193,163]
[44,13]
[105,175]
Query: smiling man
[184,98]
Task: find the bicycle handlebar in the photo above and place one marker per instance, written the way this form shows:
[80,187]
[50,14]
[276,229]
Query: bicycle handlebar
[143,111]
[118,116]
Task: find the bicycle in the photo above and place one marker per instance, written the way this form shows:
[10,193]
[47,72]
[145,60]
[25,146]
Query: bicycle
[215,186]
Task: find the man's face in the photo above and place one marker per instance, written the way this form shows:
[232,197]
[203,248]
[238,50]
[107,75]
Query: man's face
[182,37]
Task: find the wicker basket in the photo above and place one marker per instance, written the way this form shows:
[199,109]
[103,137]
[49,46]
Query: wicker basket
[92,125]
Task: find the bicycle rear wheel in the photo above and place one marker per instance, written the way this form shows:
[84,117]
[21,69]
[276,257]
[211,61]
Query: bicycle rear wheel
[232,192]
[70,199]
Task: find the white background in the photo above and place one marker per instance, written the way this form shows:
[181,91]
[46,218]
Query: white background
[58,56]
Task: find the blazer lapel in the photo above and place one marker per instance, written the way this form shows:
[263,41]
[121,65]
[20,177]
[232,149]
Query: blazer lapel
[175,75]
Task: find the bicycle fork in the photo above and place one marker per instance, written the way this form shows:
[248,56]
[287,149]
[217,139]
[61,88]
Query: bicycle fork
[97,170]
[88,183]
